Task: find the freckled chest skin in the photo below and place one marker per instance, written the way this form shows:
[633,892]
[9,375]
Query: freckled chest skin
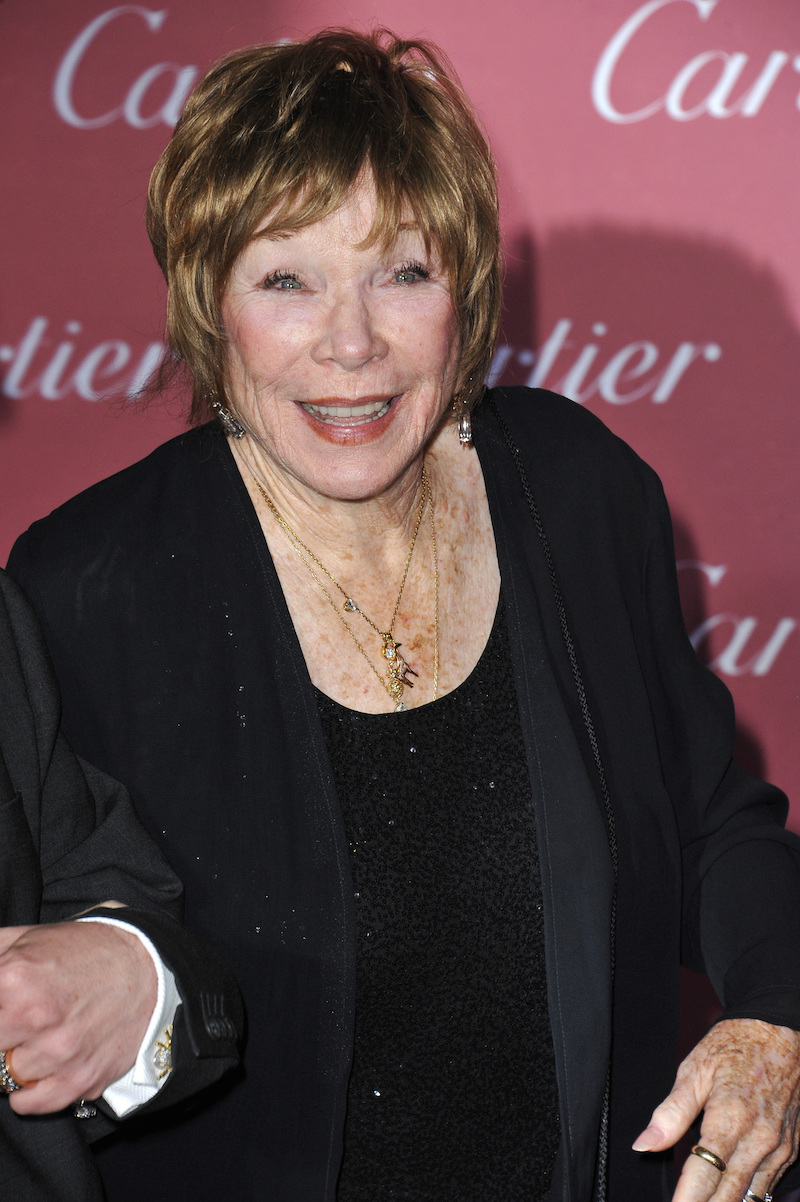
[469,586]
[319,327]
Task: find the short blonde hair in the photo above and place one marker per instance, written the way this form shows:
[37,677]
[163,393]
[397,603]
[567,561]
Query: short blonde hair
[286,131]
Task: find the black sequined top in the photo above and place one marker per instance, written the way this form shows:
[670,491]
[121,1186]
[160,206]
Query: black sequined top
[452,1093]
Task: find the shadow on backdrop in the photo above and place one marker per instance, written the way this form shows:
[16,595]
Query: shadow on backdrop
[690,353]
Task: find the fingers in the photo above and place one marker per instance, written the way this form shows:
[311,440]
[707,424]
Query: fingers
[754,1132]
[54,1093]
[700,1180]
[52,1073]
[755,1156]
[672,1119]
[31,1096]
[75,1002]
[754,1163]
[774,1165]
[43,1097]
[745,1077]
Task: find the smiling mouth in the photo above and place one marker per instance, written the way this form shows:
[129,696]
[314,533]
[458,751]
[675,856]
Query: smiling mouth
[349,415]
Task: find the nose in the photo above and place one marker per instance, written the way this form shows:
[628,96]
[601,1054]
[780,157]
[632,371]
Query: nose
[350,337]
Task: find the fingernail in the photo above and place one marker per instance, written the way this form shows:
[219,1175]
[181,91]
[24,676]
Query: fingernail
[648,1139]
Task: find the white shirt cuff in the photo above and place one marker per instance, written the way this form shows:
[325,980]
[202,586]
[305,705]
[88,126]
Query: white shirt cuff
[143,1081]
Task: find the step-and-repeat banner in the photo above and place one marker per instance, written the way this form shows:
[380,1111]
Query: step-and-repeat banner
[649,166]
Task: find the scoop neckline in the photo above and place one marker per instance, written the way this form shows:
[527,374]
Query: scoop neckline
[427,705]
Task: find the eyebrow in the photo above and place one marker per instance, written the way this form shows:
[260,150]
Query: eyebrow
[272,235]
[281,234]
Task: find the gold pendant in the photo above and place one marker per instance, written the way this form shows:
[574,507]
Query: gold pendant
[398,669]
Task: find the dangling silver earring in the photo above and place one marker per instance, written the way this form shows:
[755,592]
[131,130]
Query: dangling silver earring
[464,420]
[226,419]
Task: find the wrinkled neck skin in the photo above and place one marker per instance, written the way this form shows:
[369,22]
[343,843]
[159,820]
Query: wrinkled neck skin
[373,532]
[364,544]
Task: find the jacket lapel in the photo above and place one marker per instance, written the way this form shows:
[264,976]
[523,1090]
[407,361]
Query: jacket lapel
[577,878]
[20,879]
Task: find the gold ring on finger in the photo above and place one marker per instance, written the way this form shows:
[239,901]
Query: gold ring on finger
[711,1158]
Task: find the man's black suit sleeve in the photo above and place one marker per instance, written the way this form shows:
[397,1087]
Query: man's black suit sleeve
[73,841]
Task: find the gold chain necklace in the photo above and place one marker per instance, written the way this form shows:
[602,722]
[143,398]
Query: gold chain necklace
[397,670]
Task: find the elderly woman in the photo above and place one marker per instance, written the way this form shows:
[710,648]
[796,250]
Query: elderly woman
[476,791]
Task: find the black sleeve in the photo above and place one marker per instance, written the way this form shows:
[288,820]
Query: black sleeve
[77,842]
[79,824]
[741,868]
[209,1023]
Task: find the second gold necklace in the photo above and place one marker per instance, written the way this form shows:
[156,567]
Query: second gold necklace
[397,670]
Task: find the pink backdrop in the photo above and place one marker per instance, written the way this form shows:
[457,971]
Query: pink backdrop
[648,157]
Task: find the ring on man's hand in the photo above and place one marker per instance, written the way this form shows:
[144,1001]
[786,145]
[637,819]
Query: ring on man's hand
[751,1197]
[7,1082]
[715,1161]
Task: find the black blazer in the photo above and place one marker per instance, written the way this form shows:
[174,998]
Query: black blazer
[182,675]
[69,838]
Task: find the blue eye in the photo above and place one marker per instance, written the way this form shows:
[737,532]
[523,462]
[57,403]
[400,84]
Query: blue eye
[283,280]
[411,273]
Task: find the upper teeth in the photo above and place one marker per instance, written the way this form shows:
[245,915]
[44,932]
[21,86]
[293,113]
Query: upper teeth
[344,411]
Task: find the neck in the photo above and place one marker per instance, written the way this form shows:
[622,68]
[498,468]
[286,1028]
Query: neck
[370,535]
[449,598]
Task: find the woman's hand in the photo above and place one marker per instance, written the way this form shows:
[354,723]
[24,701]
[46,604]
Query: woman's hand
[745,1074]
[75,1002]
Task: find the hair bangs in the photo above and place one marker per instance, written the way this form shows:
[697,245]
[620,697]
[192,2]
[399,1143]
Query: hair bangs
[275,138]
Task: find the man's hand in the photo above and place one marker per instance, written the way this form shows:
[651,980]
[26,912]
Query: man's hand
[75,1002]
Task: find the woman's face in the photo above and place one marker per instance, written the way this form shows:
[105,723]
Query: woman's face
[341,360]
